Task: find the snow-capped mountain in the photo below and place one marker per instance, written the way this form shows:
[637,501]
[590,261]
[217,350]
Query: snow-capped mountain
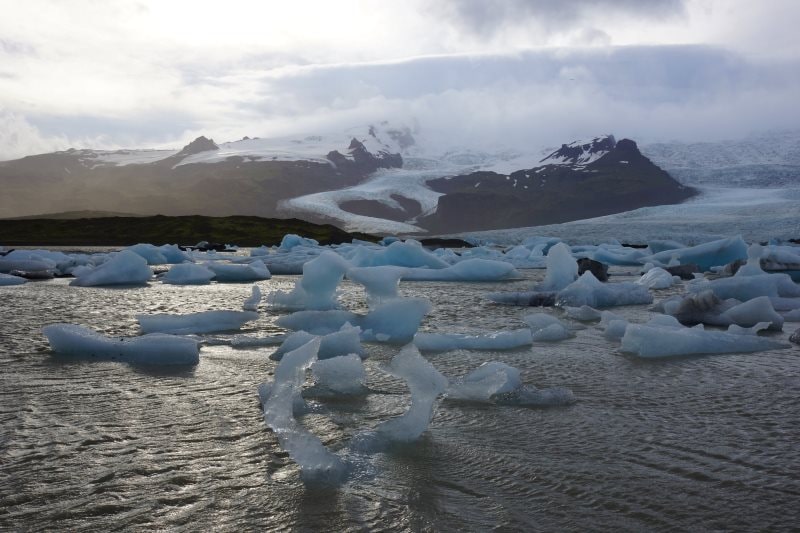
[376,179]
[770,160]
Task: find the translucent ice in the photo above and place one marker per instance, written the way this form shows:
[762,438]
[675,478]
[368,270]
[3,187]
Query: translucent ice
[562,269]
[706,308]
[657,340]
[406,254]
[467,270]
[7,280]
[396,321]
[188,274]
[151,254]
[203,322]
[381,282]
[343,374]
[656,278]
[546,328]
[425,384]
[124,268]
[318,465]
[485,381]
[583,313]
[317,288]
[251,304]
[705,256]
[343,342]
[587,290]
[154,349]
[229,273]
[500,340]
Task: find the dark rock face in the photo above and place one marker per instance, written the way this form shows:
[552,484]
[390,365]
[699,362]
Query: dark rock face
[577,181]
[362,161]
[598,269]
[201,144]
[686,271]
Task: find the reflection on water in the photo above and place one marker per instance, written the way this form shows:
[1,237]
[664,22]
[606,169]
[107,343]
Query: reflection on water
[692,443]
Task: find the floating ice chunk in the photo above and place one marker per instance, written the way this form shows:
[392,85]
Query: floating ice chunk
[617,255]
[8,280]
[425,384]
[124,268]
[467,270]
[249,341]
[587,290]
[706,308]
[173,254]
[291,240]
[500,340]
[188,274]
[745,288]
[34,264]
[251,304]
[381,282]
[317,288]
[546,328]
[343,342]
[396,321]
[792,316]
[317,322]
[705,256]
[615,329]
[343,374]
[656,278]
[562,269]
[203,322]
[657,246]
[318,465]
[485,381]
[583,313]
[406,254]
[154,349]
[151,254]
[649,340]
[753,265]
[227,273]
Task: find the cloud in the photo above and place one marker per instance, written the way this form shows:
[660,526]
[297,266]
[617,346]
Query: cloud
[19,138]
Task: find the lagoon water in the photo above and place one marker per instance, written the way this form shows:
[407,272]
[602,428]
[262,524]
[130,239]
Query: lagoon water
[693,443]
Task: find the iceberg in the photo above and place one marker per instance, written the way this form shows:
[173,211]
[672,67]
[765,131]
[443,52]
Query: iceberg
[251,304]
[317,288]
[660,339]
[148,252]
[546,328]
[188,274]
[706,308]
[202,322]
[656,278]
[381,282]
[7,280]
[395,322]
[318,465]
[154,349]
[228,273]
[583,313]
[290,241]
[705,256]
[562,269]
[346,341]
[467,270]
[343,374]
[499,383]
[587,290]
[499,340]
[405,254]
[779,288]
[425,384]
[123,268]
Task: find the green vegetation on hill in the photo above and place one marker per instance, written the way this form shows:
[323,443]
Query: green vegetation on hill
[186,230]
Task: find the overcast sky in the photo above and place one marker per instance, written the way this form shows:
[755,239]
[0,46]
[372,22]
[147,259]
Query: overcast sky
[107,74]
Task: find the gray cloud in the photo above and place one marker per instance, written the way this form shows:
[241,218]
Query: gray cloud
[489,17]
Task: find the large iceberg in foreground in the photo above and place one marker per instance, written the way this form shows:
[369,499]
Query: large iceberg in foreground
[317,288]
[380,282]
[660,338]
[154,349]
[425,384]
[203,322]
[124,268]
[318,465]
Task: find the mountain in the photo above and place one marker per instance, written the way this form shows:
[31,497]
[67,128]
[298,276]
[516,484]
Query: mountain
[375,179]
[579,180]
[767,160]
[247,177]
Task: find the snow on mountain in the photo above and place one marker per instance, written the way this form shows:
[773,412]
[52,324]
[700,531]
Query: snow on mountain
[381,140]
[581,153]
[765,160]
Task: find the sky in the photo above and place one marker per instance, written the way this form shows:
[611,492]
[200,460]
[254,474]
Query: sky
[506,73]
